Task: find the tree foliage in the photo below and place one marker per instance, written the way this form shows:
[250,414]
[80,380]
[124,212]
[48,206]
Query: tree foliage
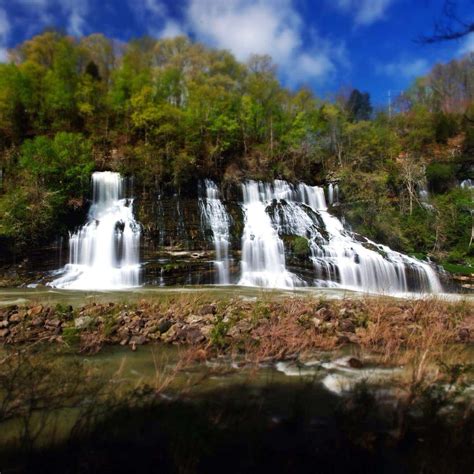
[172,111]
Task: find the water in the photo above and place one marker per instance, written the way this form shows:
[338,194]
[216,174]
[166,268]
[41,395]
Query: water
[217,219]
[340,258]
[263,252]
[333,194]
[104,253]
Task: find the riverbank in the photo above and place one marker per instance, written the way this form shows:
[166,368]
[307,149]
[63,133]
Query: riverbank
[265,328]
[286,381]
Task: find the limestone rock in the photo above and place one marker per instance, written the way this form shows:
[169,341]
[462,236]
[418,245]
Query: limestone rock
[83,322]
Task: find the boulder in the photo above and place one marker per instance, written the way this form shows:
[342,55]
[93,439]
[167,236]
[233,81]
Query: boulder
[164,325]
[83,322]
[37,322]
[241,327]
[171,334]
[55,323]
[17,317]
[35,311]
[4,333]
[191,335]
[208,309]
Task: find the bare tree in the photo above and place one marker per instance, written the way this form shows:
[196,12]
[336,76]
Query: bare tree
[451,26]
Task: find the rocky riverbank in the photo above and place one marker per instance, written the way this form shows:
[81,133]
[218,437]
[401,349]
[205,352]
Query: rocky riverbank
[259,330]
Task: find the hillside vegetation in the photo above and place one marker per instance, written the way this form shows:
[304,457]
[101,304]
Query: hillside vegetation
[172,111]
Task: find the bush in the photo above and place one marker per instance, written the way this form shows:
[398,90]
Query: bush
[446,127]
[62,165]
[440,175]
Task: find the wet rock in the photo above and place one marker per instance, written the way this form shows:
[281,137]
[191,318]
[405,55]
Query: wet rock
[347,325]
[137,340]
[4,333]
[355,363]
[164,325]
[83,322]
[208,309]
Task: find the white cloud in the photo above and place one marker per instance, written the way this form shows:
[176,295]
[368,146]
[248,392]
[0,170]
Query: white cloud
[365,12]
[409,69]
[171,29]
[4,24]
[467,45]
[4,32]
[271,27]
[247,27]
[42,12]
[3,55]
[76,12]
[154,14]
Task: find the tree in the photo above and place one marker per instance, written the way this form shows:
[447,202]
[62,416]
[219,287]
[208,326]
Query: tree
[451,27]
[359,106]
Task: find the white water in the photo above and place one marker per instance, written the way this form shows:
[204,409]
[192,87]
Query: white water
[104,253]
[339,259]
[333,194]
[215,216]
[263,252]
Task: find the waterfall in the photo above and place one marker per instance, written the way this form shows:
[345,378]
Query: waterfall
[333,194]
[340,258]
[263,252]
[215,217]
[104,253]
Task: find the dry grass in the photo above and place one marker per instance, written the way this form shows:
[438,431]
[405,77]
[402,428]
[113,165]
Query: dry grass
[278,328]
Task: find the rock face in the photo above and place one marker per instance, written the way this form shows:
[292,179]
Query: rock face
[176,245]
[176,248]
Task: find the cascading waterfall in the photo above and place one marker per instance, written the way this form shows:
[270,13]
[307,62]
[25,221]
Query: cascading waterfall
[333,194]
[340,258]
[263,252]
[104,253]
[215,217]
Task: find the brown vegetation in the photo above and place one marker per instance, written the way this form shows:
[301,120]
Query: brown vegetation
[260,330]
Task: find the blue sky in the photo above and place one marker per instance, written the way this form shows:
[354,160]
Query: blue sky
[326,44]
